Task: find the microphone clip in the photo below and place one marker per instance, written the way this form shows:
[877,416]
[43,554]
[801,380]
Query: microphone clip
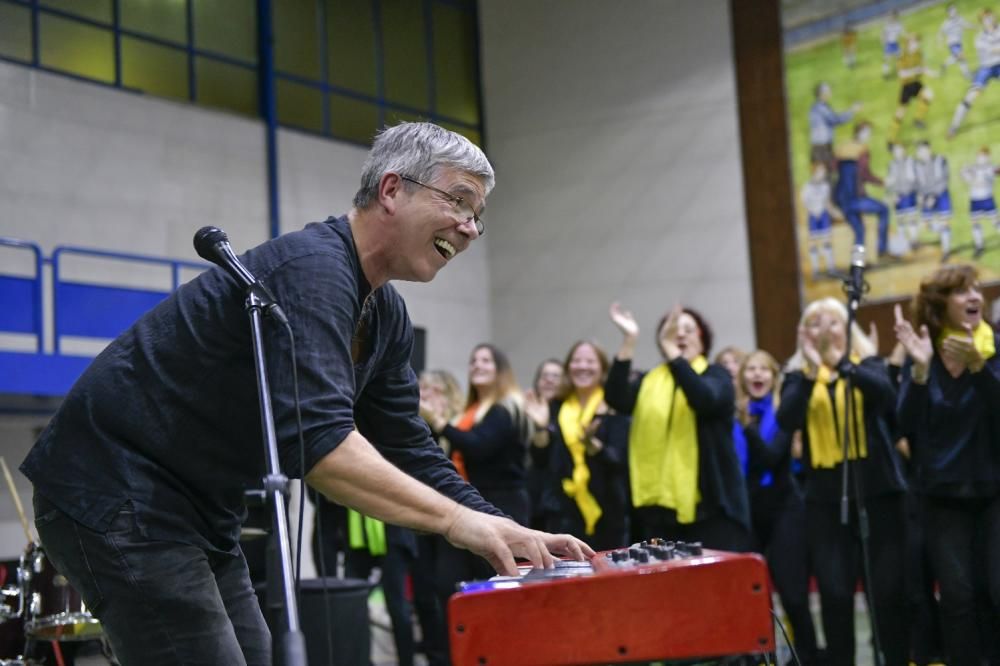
[259,296]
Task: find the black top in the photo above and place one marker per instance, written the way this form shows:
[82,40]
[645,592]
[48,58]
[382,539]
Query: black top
[769,471]
[608,472]
[711,397]
[167,415]
[954,428]
[879,472]
[494,450]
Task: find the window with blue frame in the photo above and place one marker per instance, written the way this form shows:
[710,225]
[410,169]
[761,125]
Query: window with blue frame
[342,68]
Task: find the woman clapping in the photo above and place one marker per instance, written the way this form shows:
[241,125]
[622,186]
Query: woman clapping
[586,480]
[949,400]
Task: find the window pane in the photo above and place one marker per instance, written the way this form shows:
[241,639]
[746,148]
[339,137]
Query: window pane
[15,32]
[226,86]
[156,69]
[470,134]
[226,26]
[455,90]
[76,48]
[350,34]
[166,20]
[300,106]
[97,10]
[296,38]
[353,119]
[404,47]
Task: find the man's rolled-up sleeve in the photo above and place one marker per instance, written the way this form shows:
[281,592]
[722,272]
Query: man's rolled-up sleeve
[388,416]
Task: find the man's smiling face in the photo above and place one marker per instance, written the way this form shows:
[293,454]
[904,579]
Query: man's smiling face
[430,229]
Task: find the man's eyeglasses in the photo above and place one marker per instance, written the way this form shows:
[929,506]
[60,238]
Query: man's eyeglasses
[462,207]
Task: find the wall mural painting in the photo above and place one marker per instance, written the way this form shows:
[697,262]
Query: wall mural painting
[894,114]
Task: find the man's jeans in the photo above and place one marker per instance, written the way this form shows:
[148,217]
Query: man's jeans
[159,602]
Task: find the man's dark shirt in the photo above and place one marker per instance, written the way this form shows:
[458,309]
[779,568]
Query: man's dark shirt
[167,416]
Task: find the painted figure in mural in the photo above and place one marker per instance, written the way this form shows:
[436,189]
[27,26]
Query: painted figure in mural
[932,191]
[951,34]
[901,180]
[988,49]
[823,120]
[982,207]
[854,172]
[816,200]
[891,32]
[849,45]
[911,71]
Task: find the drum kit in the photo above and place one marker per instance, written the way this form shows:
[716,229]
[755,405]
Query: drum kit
[39,609]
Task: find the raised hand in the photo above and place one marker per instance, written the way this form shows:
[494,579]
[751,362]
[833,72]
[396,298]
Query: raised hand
[624,320]
[432,413]
[668,334]
[807,343]
[960,350]
[873,336]
[536,408]
[919,347]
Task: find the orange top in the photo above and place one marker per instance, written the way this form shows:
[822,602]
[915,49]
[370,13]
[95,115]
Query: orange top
[464,424]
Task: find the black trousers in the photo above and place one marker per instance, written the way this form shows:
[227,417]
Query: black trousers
[160,603]
[779,525]
[963,536]
[835,552]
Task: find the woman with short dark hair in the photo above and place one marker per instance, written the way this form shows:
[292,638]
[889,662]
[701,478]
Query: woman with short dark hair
[949,400]
[686,481]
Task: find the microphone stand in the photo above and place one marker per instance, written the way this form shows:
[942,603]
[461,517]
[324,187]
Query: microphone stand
[291,640]
[855,287]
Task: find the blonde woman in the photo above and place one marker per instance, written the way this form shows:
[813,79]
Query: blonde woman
[586,484]
[777,509]
[813,400]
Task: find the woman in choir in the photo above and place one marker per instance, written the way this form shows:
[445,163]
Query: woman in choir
[549,378]
[685,478]
[814,401]
[439,394]
[586,489]
[777,509]
[949,402]
[731,358]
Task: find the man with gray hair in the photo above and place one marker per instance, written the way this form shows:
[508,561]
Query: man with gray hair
[139,477]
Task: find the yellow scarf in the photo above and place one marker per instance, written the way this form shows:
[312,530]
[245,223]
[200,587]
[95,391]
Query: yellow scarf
[982,339]
[573,421]
[826,434]
[663,445]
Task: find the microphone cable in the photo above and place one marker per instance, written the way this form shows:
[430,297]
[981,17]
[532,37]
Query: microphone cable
[781,625]
[302,505]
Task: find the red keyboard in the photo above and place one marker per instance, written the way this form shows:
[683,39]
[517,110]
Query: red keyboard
[655,600]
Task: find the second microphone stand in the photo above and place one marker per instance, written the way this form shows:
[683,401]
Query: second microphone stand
[855,289]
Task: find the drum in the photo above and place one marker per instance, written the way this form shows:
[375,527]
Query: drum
[54,610]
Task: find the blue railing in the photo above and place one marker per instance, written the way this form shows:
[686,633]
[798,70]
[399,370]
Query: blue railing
[90,310]
[82,308]
[21,309]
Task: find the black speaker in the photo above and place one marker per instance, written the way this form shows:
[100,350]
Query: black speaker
[345,621]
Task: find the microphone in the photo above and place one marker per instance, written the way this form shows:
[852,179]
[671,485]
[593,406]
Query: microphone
[212,244]
[856,286]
